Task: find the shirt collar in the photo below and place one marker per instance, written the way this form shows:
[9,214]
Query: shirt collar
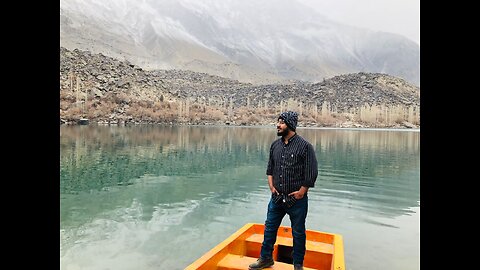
[290,139]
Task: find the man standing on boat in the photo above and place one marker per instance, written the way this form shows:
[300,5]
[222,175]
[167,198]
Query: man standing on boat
[291,171]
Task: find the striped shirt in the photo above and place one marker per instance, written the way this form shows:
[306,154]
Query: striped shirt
[292,165]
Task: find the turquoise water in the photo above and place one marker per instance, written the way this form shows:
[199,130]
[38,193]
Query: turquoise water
[158,197]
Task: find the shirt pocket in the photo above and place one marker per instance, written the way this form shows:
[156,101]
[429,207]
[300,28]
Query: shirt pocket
[292,159]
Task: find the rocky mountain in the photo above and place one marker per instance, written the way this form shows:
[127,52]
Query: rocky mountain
[258,42]
[111,91]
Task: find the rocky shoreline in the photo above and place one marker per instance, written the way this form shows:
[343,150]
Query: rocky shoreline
[343,125]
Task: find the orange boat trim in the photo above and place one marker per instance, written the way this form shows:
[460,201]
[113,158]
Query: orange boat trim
[324,251]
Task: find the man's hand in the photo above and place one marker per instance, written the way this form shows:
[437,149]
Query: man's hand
[299,193]
[274,191]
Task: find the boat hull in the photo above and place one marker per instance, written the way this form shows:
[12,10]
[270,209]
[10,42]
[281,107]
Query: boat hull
[324,251]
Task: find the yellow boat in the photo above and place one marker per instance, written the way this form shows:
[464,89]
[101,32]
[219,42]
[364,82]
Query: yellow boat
[324,250]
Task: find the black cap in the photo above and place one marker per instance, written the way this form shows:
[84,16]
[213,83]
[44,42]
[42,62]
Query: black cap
[290,118]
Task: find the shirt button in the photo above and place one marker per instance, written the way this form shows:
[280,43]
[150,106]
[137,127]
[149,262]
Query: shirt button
[280,175]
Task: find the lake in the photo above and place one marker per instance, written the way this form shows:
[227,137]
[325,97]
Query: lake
[159,197]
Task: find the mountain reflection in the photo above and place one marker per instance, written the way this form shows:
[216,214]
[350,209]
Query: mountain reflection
[108,167]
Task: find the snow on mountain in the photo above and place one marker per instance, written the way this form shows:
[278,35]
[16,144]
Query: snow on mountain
[248,40]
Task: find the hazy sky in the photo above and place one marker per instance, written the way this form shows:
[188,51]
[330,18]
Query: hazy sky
[395,16]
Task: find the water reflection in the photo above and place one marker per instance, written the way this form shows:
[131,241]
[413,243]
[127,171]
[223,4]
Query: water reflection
[96,157]
[145,192]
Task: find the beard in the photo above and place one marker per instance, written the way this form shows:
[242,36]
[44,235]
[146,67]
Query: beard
[283,132]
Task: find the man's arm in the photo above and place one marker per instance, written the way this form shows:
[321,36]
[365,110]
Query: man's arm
[270,184]
[310,166]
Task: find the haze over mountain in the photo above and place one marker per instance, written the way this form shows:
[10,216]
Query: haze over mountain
[251,41]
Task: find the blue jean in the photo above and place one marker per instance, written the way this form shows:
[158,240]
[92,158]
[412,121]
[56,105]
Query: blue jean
[275,214]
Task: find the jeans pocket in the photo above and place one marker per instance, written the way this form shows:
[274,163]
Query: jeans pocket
[276,198]
[290,201]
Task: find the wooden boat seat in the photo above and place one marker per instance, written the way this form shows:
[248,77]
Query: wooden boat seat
[286,241]
[239,262]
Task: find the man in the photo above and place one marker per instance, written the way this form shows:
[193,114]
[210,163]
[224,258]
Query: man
[291,171]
